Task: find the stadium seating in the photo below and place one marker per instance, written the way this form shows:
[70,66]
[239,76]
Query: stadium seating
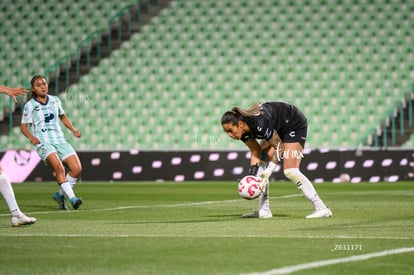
[409,143]
[35,35]
[345,64]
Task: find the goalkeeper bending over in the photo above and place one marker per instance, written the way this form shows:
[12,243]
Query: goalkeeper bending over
[282,127]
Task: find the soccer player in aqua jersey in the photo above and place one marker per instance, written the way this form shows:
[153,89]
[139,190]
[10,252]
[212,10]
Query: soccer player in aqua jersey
[6,189]
[44,113]
[282,127]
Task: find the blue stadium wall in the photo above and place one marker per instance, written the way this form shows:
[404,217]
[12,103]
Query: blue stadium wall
[134,165]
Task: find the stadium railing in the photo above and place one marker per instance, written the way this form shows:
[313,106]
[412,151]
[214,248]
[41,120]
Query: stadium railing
[397,126]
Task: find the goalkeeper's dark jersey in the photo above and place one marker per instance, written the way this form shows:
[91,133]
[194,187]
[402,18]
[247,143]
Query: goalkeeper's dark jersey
[289,122]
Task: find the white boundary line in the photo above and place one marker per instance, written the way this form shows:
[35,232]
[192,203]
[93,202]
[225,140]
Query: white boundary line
[310,265]
[151,206]
[198,236]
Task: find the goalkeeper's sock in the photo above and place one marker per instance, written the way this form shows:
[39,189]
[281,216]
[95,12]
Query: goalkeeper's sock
[262,166]
[67,189]
[304,184]
[265,205]
[263,201]
[264,197]
[8,194]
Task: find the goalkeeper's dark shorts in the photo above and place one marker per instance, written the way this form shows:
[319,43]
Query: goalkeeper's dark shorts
[297,132]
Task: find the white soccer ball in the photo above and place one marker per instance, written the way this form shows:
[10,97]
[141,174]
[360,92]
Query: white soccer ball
[250,187]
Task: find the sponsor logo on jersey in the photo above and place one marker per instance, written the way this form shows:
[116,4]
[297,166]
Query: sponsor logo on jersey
[49,117]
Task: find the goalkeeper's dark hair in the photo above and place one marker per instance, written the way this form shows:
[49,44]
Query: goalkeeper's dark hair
[238,114]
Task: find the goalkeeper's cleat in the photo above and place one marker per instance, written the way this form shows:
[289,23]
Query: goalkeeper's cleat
[265,213]
[253,214]
[76,202]
[60,199]
[22,220]
[320,213]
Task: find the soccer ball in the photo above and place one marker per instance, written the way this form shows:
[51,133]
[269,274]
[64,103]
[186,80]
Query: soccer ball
[250,187]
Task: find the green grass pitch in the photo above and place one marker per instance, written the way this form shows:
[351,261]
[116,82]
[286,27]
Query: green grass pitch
[195,228]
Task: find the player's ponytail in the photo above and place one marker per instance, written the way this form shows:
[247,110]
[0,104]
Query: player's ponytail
[238,114]
[254,110]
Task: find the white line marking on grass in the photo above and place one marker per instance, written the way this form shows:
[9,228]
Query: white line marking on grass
[163,205]
[183,204]
[130,207]
[310,265]
[193,236]
[151,206]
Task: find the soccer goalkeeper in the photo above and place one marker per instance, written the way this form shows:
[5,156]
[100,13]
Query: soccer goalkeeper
[282,127]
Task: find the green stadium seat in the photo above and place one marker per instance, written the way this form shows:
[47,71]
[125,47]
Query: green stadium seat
[198,59]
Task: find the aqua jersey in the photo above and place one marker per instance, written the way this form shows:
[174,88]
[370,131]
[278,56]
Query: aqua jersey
[44,119]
